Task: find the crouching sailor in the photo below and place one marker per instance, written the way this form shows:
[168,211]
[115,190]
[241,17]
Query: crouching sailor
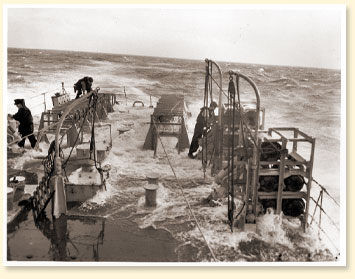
[200,124]
[25,128]
[83,85]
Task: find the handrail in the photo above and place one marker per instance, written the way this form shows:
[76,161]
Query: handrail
[257,95]
[77,102]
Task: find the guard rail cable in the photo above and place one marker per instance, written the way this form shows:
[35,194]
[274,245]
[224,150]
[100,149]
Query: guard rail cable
[319,204]
[44,99]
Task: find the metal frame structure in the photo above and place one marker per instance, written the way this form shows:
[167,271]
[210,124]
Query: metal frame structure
[168,114]
[243,169]
[53,184]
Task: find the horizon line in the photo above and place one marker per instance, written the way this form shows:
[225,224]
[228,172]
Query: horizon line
[179,58]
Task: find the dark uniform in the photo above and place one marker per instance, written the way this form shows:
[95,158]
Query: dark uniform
[25,128]
[201,121]
[83,85]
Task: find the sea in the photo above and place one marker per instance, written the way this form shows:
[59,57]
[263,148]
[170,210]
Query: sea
[115,226]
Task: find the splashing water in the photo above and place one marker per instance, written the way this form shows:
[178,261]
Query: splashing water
[278,238]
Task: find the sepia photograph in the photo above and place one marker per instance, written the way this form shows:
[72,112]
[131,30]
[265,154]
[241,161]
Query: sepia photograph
[174,135]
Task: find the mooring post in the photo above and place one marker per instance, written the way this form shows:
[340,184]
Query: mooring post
[151,190]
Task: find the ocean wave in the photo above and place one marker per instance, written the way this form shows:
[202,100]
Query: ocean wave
[288,85]
[286,81]
[306,87]
[12,73]
[17,79]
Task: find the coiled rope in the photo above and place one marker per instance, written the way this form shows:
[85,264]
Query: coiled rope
[183,195]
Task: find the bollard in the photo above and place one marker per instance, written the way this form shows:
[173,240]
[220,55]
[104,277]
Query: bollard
[151,189]
[152,178]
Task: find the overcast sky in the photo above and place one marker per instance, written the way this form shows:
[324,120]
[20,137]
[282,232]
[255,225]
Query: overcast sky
[283,36]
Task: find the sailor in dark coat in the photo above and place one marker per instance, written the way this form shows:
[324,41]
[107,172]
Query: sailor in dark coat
[200,123]
[83,85]
[25,128]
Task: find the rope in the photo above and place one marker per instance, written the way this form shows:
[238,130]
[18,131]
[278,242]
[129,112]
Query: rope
[186,201]
[232,99]
[205,114]
[219,87]
[93,143]
[77,137]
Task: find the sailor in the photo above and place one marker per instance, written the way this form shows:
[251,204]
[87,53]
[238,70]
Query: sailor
[83,85]
[25,128]
[200,123]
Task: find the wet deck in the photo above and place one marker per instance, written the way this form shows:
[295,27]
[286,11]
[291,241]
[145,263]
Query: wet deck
[79,238]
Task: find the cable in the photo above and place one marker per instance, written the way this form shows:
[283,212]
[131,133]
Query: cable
[325,190]
[183,194]
[40,94]
[321,208]
[325,233]
[219,87]
[77,137]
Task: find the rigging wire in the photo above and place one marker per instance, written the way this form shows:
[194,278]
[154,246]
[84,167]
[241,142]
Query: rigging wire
[321,208]
[231,93]
[325,191]
[38,95]
[184,197]
[319,227]
[77,137]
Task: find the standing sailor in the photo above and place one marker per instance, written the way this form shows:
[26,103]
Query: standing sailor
[25,128]
[83,85]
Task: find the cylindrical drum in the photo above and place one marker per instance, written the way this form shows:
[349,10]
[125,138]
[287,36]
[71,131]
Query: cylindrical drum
[270,151]
[293,207]
[151,189]
[294,183]
[268,203]
[269,183]
[151,194]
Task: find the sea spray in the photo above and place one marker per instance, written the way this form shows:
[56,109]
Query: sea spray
[141,78]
